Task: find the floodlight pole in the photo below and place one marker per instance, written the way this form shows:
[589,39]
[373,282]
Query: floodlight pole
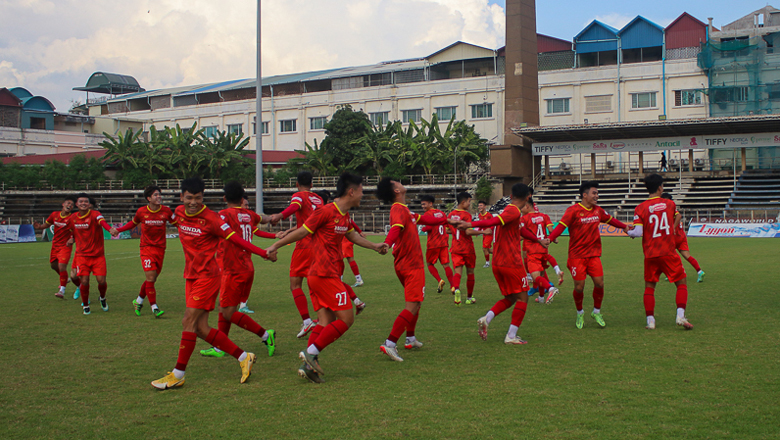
[259,124]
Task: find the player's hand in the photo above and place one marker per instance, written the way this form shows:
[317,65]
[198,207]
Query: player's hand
[363,234]
[70,242]
[382,248]
[113,232]
[545,242]
[488,232]
[560,278]
[274,219]
[271,256]
[280,235]
[453,221]
[37,225]
[463,225]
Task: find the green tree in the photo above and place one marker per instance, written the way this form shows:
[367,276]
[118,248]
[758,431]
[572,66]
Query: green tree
[345,127]
[316,159]
[374,150]
[122,152]
[484,189]
[221,150]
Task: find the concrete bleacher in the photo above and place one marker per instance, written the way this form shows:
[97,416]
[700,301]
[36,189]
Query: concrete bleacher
[756,189]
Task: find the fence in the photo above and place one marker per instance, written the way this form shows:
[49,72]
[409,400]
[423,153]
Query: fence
[673,165]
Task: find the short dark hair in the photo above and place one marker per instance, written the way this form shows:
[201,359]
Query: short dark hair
[520,190]
[92,202]
[667,195]
[234,192]
[653,182]
[428,198]
[193,185]
[384,190]
[531,190]
[530,201]
[347,181]
[324,194]
[71,198]
[83,196]
[149,190]
[304,178]
[586,186]
[463,195]
[483,202]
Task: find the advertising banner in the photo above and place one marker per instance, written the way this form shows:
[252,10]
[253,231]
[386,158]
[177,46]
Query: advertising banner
[752,230]
[17,233]
[26,234]
[610,231]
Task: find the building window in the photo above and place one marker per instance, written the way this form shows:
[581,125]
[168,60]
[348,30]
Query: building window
[263,126]
[598,104]
[411,115]
[211,131]
[558,105]
[288,126]
[480,111]
[687,97]
[317,123]
[446,113]
[643,100]
[729,94]
[236,129]
[379,118]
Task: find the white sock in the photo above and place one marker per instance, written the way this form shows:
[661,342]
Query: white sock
[557,270]
[140,300]
[389,343]
[313,350]
[62,289]
[595,310]
[512,333]
[650,320]
[358,278]
[241,305]
[680,313]
[154,307]
[217,349]
[580,312]
[307,321]
[265,336]
[356,301]
[178,374]
[530,279]
[242,358]
[342,278]
[410,339]
[489,317]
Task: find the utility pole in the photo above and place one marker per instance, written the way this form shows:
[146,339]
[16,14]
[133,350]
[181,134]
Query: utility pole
[259,124]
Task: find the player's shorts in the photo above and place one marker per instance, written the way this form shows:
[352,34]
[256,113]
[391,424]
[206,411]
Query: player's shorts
[152,258]
[536,262]
[328,292]
[441,254]
[681,242]
[94,265]
[468,260]
[487,241]
[201,293]
[60,254]
[348,248]
[299,265]
[413,281]
[669,265]
[510,280]
[235,287]
[580,268]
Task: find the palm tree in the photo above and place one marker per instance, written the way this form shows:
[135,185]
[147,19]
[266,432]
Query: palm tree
[316,159]
[374,149]
[122,151]
[221,150]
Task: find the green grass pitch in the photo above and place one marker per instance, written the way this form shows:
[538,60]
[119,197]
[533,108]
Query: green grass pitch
[65,375]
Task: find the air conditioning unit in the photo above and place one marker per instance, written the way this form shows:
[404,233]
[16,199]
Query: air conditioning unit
[610,165]
[673,162]
[699,162]
[564,166]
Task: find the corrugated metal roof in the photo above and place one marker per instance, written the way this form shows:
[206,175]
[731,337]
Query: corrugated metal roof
[596,37]
[641,32]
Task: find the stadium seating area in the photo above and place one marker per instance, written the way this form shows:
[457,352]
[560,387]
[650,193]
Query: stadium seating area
[756,189]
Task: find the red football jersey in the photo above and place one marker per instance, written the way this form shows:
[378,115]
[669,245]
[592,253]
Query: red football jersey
[437,236]
[327,226]
[231,258]
[536,223]
[407,252]
[485,216]
[309,202]
[506,239]
[153,225]
[583,224]
[462,243]
[88,233]
[656,215]
[200,236]
[681,229]
[62,231]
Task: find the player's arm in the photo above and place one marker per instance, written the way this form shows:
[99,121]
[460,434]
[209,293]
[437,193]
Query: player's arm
[637,230]
[249,247]
[431,219]
[427,228]
[262,234]
[295,206]
[557,231]
[677,220]
[102,222]
[126,227]
[291,237]
[393,234]
[359,240]
[608,219]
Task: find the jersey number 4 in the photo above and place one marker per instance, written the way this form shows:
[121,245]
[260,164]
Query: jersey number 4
[659,224]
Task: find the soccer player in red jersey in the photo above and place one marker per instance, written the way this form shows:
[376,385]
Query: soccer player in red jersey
[583,221]
[508,263]
[654,221]
[153,219]
[303,204]
[200,231]
[327,227]
[60,247]
[408,262]
[682,243]
[437,244]
[462,249]
[537,224]
[487,240]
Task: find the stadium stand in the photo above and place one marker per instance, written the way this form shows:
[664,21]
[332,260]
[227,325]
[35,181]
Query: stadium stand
[756,189]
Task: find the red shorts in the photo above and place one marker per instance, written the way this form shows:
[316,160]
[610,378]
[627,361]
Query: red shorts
[201,293]
[682,242]
[152,258]
[510,280]
[299,265]
[582,267]
[348,248]
[328,292]
[468,260]
[441,255]
[670,265]
[87,265]
[414,284]
[60,254]
[536,262]
[487,241]
[235,287]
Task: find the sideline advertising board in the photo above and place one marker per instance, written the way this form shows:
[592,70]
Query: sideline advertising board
[17,234]
[744,230]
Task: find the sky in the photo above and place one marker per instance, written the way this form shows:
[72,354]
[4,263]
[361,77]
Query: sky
[51,46]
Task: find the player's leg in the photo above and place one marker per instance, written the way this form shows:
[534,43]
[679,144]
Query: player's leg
[151,290]
[431,257]
[649,302]
[243,301]
[296,286]
[335,317]
[62,270]
[598,297]
[486,253]
[359,305]
[355,271]
[413,282]
[444,259]
[579,274]
[676,273]
[470,282]
[688,257]
[518,314]
[83,281]
[505,279]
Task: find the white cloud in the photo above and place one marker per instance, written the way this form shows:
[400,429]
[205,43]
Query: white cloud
[615,20]
[51,47]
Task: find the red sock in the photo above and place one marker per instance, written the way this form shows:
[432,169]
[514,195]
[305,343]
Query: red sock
[223,324]
[186,347]
[694,263]
[450,275]
[84,294]
[456,281]
[598,296]
[314,334]
[412,325]
[142,293]
[220,340]
[578,296]
[300,302]
[551,260]
[500,306]
[63,278]
[399,326]
[151,292]
[519,313]
[434,272]
[470,284]
[329,334]
[542,283]
[487,257]
[102,289]
[247,323]
[682,296]
[353,265]
[350,292]
[649,300]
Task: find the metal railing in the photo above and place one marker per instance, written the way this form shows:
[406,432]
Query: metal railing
[673,165]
